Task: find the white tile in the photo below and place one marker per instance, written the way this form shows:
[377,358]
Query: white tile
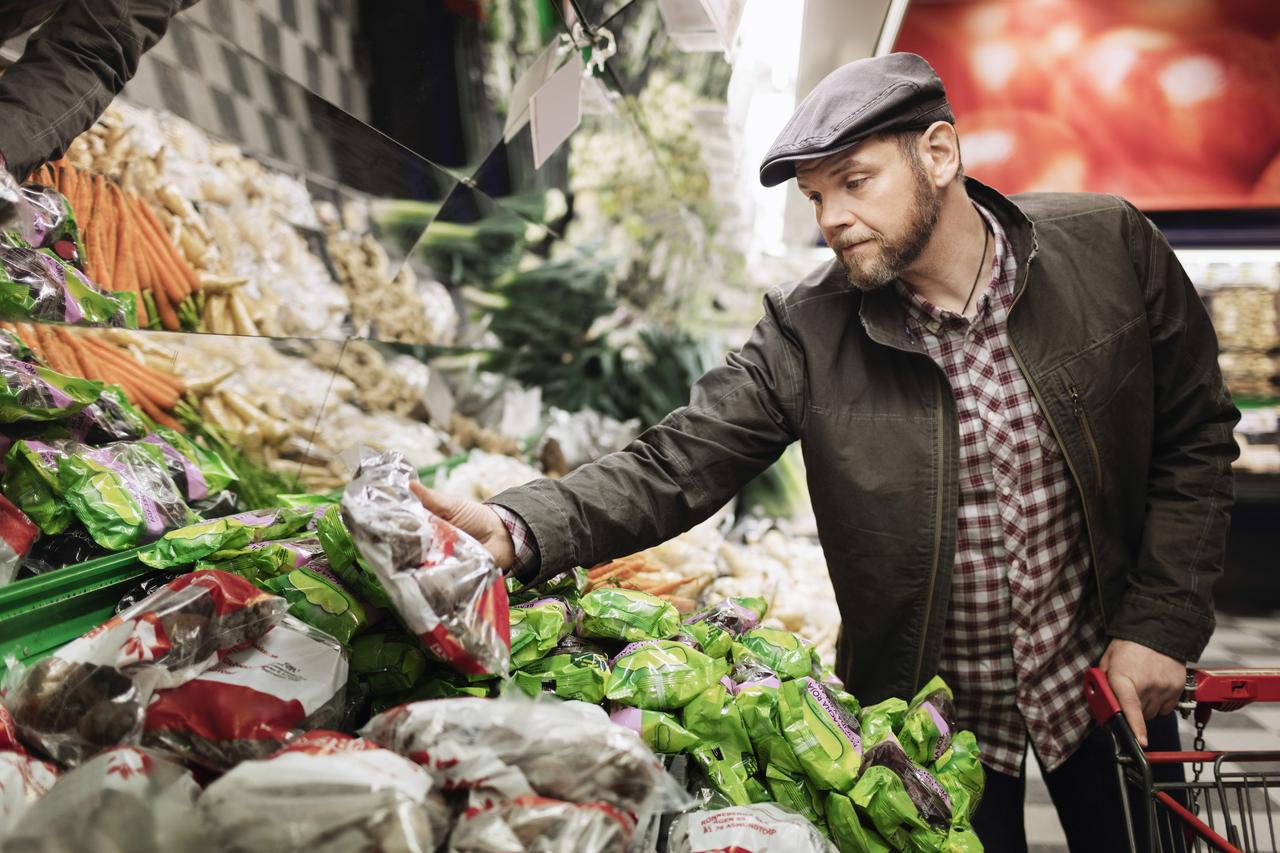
[259,87]
[212,61]
[342,42]
[1240,740]
[1043,826]
[200,101]
[331,81]
[200,13]
[309,21]
[248,32]
[1240,639]
[269,8]
[292,58]
[144,87]
[253,131]
[1266,714]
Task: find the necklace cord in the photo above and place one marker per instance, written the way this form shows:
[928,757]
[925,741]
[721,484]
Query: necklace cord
[982,262]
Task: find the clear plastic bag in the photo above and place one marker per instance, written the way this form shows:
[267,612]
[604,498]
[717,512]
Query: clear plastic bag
[36,284]
[540,825]
[17,535]
[326,793]
[53,223]
[254,701]
[515,746]
[23,779]
[92,693]
[759,828]
[125,799]
[443,583]
[29,392]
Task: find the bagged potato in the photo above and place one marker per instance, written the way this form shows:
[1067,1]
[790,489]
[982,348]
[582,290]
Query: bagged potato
[724,750]
[847,830]
[660,731]
[31,481]
[900,798]
[122,494]
[660,675]
[93,693]
[124,799]
[253,701]
[824,737]
[628,615]
[927,726]
[782,651]
[729,776]
[443,583]
[536,627]
[326,793]
[881,720]
[573,670]
[714,641]
[541,825]
[186,545]
[735,616]
[760,828]
[29,392]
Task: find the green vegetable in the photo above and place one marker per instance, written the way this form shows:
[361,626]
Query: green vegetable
[795,792]
[536,628]
[658,729]
[201,472]
[724,751]
[345,560]
[570,585]
[823,735]
[388,663]
[660,675]
[926,730]
[757,701]
[186,545]
[625,614]
[31,482]
[847,830]
[306,500]
[320,601]
[716,642]
[960,768]
[570,671]
[29,392]
[733,615]
[901,798]
[881,720]
[961,839]
[110,418]
[782,651]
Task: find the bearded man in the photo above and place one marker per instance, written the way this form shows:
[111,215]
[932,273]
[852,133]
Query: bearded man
[1018,441]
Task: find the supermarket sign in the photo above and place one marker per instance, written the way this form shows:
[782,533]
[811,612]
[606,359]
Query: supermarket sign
[1170,103]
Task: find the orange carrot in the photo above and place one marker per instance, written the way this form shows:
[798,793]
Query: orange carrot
[168,387]
[663,588]
[187,282]
[166,286]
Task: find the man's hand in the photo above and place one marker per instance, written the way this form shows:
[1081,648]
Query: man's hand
[1147,684]
[475,518]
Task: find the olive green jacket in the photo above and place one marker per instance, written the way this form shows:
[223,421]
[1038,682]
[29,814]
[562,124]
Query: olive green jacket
[1120,354]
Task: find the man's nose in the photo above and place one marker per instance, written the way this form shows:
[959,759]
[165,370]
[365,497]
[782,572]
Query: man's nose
[835,220]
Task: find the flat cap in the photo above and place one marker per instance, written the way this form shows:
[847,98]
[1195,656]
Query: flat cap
[899,91]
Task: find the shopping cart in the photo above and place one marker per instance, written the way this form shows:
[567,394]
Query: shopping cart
[1234,809]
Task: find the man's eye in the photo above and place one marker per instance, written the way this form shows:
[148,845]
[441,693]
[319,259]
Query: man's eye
[854,183]
[815,199]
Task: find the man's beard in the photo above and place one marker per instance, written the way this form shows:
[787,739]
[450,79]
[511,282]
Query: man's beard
[894,257]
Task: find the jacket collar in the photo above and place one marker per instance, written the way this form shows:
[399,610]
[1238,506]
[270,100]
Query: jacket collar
[883,311]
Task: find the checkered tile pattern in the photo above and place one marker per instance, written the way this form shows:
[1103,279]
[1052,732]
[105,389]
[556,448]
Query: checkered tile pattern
[526,548]
[1238,642]
[1017,638]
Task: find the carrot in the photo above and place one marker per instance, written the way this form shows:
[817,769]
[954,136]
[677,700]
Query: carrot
[160,291]
[66,342]
[159,415]
[54,353]
[167,387]
[68,185]
[109,218]
[126,255]
[188,282]
[664,588]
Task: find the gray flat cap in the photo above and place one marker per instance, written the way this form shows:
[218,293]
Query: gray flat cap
[895,92]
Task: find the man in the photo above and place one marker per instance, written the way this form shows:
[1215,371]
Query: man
[78,60]
[1018,441]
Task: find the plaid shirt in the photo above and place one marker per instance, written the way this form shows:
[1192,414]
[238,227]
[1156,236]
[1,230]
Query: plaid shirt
[526,549]
[1017,639]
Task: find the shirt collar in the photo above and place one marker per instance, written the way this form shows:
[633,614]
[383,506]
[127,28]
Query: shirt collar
[933,318]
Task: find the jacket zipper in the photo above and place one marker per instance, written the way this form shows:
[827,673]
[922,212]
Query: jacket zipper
[1078,408]
[937,538]
[1075,475]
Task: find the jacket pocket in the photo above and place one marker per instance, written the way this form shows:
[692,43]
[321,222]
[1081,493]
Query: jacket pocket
[1082,420]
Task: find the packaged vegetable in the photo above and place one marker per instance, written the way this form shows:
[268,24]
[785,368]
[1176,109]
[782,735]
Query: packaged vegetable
[847,829]
[628,615]
[714,641]
[36,284]
[926,729]
[573,670]
[12,346]
[795,792]
[31,481]
[198,472]
[319,599]
[29,392]
[93,692]
[186,545]
[127,798]
[732,615]
[728,776]
[961,839]
[542,824]
[724,751]
[122,494]
[960,767]
[658,729]
[881,720]
[757,701]
[329,793]
[660,675]
[17,534]
[824,737]
[53,223]
[23,779]
[443,583]
[536,627]
[345,560]
[759,828]
[514,746]
[570,585]
[901,798]
[253,701]
[109,418]
[782,651]
[388,663]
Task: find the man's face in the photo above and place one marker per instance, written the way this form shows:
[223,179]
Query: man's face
[876,207]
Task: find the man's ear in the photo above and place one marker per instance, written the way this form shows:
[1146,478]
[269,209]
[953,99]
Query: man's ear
[940,150]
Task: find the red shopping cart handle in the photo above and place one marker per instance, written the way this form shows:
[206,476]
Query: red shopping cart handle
[1097,692]
[1228,689]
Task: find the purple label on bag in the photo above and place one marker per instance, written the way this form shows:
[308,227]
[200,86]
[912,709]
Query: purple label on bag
[59,397]
[152,514]
[197,487]
[256,519]
[629,718]
[833,710]
[944,730]
[634,647]
[730,685]
[927,779]
[765,681]
[47,455]
[71,312]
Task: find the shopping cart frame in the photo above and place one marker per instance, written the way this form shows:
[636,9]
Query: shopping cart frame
[1218,813]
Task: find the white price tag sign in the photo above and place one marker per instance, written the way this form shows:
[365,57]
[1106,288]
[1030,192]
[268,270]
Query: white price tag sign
[555,110]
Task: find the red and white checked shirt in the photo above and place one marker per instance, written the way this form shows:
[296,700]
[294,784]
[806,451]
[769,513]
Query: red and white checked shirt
[1018,639]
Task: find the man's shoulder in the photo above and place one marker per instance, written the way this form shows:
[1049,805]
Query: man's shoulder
[824,284]
[1051,207]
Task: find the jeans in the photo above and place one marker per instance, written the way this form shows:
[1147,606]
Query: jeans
[1085,793]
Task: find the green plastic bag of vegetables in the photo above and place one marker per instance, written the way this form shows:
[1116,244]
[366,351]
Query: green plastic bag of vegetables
[782,651]
[795,792]
[320,600]
[109,418]
[729,776]
[200,473]
[345,559]
[625,614]
[31,481]
[122,494]
[733,615]
[186,545]
[259,561]
[29,392]
[961,839]
[901,798]
[926,729]
[847,830]
[715,642]
[573,670]
[757,701]
[536,627]
[660,731]
[961,767]
[570,585]
[660,675]
[388,663]
[822,734]
[881,720]
[724,750]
